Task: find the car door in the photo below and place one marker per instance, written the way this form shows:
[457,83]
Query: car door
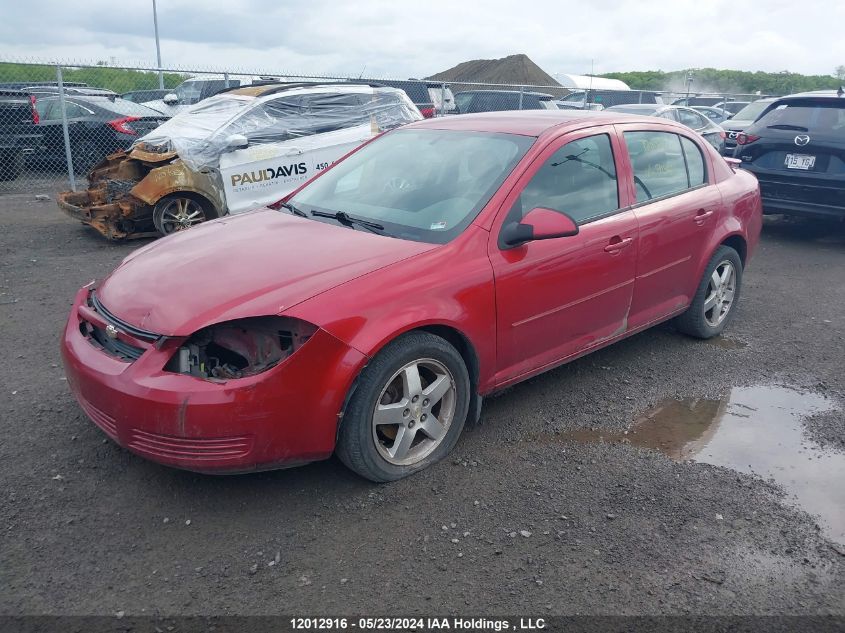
[677,208]
[556,298]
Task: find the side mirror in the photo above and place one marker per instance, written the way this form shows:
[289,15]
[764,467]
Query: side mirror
[236,141]
[538,224]
[171,98]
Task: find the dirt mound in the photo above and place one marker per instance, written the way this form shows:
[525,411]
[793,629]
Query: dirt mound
[513,69]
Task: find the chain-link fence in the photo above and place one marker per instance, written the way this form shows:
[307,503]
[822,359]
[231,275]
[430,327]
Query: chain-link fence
[59,120]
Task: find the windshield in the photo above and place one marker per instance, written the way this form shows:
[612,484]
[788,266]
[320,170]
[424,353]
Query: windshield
[752,111]
[575,97]
[190,131]
[189,92]
[462,100]
[420,184]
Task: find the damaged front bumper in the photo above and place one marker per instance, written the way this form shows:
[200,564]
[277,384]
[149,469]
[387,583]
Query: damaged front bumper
[282,417]
[124,189]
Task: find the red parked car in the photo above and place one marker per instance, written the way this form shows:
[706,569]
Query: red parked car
[369,312]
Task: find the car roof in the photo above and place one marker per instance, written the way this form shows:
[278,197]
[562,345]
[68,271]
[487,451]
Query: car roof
[530,122]
[507,92]
[819,94]
[263,89]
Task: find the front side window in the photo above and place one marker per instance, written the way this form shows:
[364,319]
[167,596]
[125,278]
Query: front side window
[419,184]
[579,179]
[664,164]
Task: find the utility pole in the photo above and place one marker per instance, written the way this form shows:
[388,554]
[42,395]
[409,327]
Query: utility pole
[158,49]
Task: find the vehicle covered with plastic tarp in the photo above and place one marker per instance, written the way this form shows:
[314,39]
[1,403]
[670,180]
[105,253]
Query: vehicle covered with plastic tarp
[235,151]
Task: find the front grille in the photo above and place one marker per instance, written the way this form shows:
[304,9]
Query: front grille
[168,446]
[100,418]
[137,332]
[113,346]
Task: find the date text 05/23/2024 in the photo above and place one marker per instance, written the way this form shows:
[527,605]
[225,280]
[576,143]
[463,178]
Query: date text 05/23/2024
[416,624]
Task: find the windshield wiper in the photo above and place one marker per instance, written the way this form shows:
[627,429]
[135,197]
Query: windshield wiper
[345,218]
[293,209]
[787,126]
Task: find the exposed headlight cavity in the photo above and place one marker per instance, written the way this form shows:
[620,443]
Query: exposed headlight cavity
[240,348]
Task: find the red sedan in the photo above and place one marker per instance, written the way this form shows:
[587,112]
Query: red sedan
[369,312]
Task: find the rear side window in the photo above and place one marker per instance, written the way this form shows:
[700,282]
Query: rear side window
[695,162]
[664,164]
[579,180]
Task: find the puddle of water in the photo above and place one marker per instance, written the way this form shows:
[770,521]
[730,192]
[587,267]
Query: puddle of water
[726,343]
[752,430]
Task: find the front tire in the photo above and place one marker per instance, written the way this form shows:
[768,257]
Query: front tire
[715,300]
[179,211]
[408,409]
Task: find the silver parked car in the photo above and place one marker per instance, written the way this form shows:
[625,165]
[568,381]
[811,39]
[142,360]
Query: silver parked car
[713,133]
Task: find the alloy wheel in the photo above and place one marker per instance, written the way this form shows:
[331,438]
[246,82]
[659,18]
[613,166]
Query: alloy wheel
[179,214]
[720,293]
[414,411]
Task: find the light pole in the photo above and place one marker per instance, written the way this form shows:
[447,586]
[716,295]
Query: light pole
[158,49]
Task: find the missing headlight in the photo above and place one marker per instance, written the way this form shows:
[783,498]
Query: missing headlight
[240,348]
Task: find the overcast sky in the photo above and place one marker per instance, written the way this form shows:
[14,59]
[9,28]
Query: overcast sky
[401,38]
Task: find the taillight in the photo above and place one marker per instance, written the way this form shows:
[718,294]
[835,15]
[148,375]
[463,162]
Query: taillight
[35,117]
[427,112]
[745,139]
[122,125]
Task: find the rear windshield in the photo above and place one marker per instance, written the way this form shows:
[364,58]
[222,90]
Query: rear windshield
[752,111]
[416,90]
[126,107]
[822,117]
[637,110]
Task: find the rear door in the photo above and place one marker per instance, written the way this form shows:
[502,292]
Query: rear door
[557,298]
[677,207]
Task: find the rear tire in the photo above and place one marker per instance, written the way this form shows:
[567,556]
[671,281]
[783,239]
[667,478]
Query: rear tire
[716,298]
[408,409]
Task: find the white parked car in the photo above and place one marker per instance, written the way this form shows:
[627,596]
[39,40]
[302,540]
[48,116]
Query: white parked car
[240,149]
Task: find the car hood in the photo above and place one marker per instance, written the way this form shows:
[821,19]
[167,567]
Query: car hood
[255,264]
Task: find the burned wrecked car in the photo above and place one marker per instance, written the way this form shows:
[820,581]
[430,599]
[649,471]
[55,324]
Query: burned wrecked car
[235,151]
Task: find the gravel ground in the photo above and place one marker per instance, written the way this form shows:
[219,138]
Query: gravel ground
[519,521]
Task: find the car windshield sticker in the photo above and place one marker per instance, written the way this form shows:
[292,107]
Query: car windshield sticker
[437,226]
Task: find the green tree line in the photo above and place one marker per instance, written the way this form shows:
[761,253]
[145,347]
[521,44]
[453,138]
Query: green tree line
[116,79]
[735,81]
